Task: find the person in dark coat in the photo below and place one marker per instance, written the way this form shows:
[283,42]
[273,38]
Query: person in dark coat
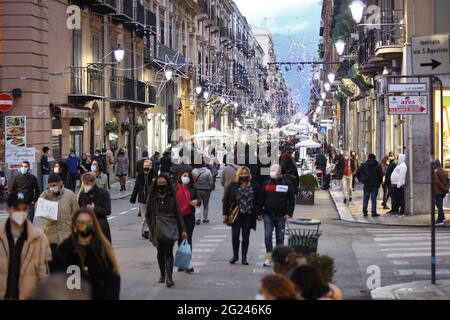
[370,174]
[62,170]
[166,163]
[88,248]
[247,195]
[27,184]
[188,199]
[140,163]
[289,169]
[164,220]
[96,199]
[101,158]
[142,187]
[387,181]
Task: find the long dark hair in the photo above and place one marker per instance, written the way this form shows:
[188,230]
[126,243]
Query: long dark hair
[99,243]
[191,179]
[310,282]
[154,186]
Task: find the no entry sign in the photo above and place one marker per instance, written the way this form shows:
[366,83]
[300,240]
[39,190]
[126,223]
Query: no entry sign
[406,105]
[6,102]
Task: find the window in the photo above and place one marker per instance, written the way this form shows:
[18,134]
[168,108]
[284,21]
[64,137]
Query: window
[77,48]
[128,63]
[96,47]
[171,43]
[162,29]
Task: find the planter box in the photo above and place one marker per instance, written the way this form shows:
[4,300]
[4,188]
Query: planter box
[305,197]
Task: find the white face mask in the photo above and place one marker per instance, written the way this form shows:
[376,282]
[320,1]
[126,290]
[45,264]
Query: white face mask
[19,217]
[56,170]
[87,189]
[94,167]
[274,174]
[185,180]
[259,297]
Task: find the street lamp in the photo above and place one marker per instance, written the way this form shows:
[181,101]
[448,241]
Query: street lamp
[222,100]
[198,89]
[236,104]
[340,47]
[327,86]
[357,8]
[168,74]
[323,95]
[119,53]
[318,109]
[321,103]
[331,77]
[206,94]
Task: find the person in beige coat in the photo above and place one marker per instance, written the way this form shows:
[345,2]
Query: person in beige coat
[29,246]
[58,231]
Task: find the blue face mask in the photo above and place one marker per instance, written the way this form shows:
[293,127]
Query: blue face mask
[23,170]
[55,190]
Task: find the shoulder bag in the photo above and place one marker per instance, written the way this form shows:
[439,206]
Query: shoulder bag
[166,227]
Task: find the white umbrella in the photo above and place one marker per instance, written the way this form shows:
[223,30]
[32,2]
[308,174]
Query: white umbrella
[308,144]
[211,135]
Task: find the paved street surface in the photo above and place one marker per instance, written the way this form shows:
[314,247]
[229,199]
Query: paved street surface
[401,253]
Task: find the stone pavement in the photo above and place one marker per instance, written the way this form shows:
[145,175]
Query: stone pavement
[419,290]
[353,211]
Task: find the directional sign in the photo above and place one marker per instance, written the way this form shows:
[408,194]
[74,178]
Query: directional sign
[407,87]
[403,105]
[6,102]
[323,129]
[431,54]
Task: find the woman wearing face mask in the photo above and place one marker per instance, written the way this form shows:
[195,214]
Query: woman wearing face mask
[122,165]
[96,199]
[58,231]
[188,199]
[100,178]
[27,246]
[62,170]
[85,164]
[88,248]
[246,194]
[165,223]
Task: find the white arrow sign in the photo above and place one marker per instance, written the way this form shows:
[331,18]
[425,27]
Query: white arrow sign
[431,54]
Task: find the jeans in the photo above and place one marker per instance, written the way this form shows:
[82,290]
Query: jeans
[165,258]
[31,212]
[439,201]
[399,203]
[347,187]
[386,194]
[44,182]
[73,178]
[204,196]
[271,222]
[244,223]
[371,193]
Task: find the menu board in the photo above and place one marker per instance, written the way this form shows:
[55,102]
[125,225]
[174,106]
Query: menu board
[15,132]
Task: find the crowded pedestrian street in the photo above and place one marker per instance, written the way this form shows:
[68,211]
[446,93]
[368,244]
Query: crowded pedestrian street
[210,157]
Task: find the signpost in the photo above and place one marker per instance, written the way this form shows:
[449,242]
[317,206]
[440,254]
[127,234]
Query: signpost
[6,102]
[323,129]
[431,54]
[408,105]
[407,88]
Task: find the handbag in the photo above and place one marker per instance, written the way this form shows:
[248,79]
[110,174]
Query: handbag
[166,228]
[234,212]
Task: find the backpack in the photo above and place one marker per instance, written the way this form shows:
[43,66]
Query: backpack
[361,174]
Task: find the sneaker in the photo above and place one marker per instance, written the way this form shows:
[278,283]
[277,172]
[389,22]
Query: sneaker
[439,223]
[205,220]
[345,201]
[365,214]
[374,215]
[198,222]
[267,263]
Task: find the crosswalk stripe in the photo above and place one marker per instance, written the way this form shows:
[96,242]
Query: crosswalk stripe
[400,262]
[197,264]
[420,272]
[111,218]
[425,243]
[414,249]
[202,250]
[207,244]
[122,213]
[216,236]
[211,240]
[380,239]
[416,255]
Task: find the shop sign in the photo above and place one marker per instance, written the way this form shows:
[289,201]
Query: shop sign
[431,54]
[407,87]
[18,155]
[15,131]
[408,105]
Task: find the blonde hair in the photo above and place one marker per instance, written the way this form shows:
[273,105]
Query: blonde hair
[239,171]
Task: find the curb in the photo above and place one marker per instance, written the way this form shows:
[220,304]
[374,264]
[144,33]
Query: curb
[344,216]
[417,290]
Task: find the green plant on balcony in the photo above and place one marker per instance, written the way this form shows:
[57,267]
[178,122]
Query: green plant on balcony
[343,22]
[126,127]
[138,128]
[112,127]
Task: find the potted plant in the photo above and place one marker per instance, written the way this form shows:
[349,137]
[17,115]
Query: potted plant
[126,127]
[307,186]
[138,128]
[324,264]
[111,127]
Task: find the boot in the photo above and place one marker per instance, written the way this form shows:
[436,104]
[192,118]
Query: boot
[162,269]
[244,254]
[235,252]
[169,272]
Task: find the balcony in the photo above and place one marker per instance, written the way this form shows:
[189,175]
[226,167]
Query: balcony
[150,21]
[164,53]
[104,7]
[128,91]
[203,4]
[149,51]
[124,12]
[146,94]
[87,85]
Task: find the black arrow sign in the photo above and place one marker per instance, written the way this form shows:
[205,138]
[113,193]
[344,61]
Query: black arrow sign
[434,64]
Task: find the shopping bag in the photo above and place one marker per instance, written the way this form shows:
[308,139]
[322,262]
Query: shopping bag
[47,209]
[183,256]
[145,230]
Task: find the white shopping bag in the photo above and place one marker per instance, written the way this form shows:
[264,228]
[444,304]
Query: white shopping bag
[47,209]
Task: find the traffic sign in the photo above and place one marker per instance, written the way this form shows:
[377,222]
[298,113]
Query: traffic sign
[431,54]
[323,129]
[407,87]
[408,105]
[6,102]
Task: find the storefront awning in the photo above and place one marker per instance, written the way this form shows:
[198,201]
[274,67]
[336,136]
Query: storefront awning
[74,111]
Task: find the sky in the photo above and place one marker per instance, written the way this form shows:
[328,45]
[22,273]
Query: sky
[294,25]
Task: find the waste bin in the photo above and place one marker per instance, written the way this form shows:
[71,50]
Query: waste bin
[303,235]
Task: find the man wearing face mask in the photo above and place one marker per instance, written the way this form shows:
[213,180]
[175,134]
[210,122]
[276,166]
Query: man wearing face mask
[58,231]
[346,167]
[278,206]
[387,180]
[27,184]
[24,252]
[140,190]
[98,200]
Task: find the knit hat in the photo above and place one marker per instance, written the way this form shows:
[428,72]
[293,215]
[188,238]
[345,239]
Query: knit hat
[15,198]
[53,177]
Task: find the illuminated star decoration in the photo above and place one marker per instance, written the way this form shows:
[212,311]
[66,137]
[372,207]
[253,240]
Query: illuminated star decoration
[169,69]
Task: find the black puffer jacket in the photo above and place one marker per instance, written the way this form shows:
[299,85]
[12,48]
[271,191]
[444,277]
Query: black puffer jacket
[370,174]
[141,187]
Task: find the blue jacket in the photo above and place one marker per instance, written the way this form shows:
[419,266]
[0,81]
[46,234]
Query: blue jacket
[73,163]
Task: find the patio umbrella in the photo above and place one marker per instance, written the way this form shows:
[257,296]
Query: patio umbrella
[211,135]
[308,144]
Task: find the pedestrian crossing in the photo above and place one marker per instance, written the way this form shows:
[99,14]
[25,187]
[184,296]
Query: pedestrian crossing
[408,252]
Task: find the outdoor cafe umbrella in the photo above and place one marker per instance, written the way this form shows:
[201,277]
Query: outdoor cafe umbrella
[211,135]
[308,144]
